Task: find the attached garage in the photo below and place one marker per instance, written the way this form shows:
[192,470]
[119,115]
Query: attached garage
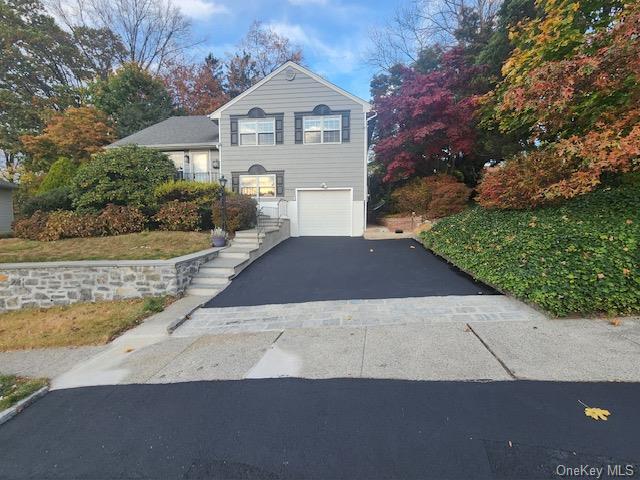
[326,212]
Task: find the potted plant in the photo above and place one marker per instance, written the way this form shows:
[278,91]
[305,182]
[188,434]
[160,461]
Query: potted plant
[218,237]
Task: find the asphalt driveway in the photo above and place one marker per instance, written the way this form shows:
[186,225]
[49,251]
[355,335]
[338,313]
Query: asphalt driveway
[310,269]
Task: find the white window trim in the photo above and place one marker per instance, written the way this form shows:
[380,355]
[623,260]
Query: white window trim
[322,117]
[273,121]
[275,185]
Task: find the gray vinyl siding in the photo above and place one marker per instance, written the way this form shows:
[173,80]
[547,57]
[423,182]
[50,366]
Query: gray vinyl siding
[6,210]
[305,166]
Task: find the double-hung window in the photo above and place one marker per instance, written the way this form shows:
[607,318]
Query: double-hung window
[323,129]
[257,131]
[258,185]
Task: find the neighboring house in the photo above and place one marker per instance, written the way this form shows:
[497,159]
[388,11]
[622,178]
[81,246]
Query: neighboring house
[6,205]
[294,141]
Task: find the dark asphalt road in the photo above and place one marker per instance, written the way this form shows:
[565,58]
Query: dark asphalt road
[309,269]
[347,428]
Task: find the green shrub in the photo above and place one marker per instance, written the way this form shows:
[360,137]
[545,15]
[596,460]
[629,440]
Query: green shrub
[241,212]
[60,175]
[434,196]
[56,199]
[31,227]
[63,224]
[522,181]
[581,257]
[153,304]
[175,215]
[202,194]
[187,191]
[120,220]
[121,176]
[412,197]
[448,196]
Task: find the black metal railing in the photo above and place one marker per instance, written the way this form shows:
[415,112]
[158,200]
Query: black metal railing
[204,177]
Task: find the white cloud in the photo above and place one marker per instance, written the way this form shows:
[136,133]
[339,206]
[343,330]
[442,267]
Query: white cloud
[201,9]
[342,56]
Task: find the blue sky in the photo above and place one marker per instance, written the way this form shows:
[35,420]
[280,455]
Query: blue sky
[334,34]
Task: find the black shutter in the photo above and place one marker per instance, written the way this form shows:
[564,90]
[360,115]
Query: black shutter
[234,131]
[280,184]
[298,128]
[346,126]
[235,182]
[279,130]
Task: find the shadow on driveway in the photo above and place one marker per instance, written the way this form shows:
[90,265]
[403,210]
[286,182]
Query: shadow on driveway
[341,428]
[308,269]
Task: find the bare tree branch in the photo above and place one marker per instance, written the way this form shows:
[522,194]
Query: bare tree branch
[421,23]
[154,32]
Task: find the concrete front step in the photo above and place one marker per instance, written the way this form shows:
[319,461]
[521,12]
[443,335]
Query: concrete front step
[209,282]
[202,292]
[208,279]
[232,254]
[248,234]
[246,241]
[222,266]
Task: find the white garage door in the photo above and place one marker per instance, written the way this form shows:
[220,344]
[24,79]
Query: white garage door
[324,212]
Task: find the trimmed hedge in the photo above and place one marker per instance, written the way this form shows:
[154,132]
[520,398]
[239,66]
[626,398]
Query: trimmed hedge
[50,226]
[178,216]
[582,257]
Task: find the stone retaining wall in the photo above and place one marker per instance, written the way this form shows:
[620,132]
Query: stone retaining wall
[43,284]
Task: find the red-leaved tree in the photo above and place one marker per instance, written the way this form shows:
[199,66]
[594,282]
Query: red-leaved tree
[427,124]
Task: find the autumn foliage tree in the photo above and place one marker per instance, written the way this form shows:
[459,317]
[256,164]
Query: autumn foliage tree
[197,89]
[586,112]
[76,133]
[425,125]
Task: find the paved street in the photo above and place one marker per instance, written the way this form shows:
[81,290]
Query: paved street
[293,428]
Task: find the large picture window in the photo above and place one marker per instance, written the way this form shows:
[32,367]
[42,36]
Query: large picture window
[258,185]
[257,132]
[322,129]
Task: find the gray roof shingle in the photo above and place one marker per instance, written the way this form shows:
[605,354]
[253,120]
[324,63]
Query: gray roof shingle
[180,131]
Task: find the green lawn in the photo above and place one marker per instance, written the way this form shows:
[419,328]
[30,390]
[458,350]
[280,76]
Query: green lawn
[135,246]
[582,257]
[13,389]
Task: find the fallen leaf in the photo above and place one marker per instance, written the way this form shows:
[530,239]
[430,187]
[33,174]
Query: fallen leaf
[600,276]
[129,350]
[616,322]
[597,413]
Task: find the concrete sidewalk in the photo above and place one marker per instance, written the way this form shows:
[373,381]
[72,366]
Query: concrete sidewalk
[440,346]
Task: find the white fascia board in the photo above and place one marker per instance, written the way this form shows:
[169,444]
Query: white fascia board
[366,106]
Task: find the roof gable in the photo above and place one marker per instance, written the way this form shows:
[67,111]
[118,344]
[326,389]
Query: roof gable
[366,106]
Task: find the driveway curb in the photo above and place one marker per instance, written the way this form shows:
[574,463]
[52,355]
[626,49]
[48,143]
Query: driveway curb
[11,412]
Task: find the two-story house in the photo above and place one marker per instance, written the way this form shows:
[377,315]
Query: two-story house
[294,141]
